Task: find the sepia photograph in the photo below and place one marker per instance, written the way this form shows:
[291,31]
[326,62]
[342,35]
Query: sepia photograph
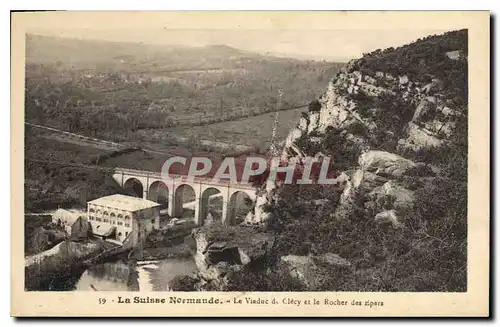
[159,158]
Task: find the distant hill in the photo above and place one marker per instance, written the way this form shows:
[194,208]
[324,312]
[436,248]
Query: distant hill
[49,49]
[299,56]
[85,53]
[92,86]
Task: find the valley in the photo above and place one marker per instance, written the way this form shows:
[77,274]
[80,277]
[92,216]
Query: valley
[392,122]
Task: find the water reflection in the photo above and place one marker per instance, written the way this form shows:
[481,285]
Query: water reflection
[109,276]
[132,276]
[157,275]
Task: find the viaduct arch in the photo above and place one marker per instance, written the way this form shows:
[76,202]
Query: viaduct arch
[158,192]
[201,198]
[134,187]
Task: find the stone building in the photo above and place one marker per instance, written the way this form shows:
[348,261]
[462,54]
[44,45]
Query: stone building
[66,218]
[120,216]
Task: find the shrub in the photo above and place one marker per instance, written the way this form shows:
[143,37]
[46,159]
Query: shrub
[183,284]
[314,106]
[357,128]
[277,280]
[428,252]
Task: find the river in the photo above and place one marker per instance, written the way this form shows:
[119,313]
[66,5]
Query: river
[141,276]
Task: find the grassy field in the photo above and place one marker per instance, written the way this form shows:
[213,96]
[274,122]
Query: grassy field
[39,148]
[254,131]
[130,87]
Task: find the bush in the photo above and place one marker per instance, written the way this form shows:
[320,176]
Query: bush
[357,128]
[426,57]
[314,106]
[183,284]
[277,280]
[428,252]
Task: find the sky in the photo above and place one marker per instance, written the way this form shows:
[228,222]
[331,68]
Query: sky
[327,44]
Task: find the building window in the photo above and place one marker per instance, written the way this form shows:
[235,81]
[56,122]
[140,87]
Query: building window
[105,220]
[98,219]
[98,212]
[153,221]
[120,234]
[91,218]
[126,233]
[114,222]
[127,225]
[92,210]
[120,216]
[120,223]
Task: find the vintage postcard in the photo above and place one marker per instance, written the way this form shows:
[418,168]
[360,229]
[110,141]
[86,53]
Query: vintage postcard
[250,163]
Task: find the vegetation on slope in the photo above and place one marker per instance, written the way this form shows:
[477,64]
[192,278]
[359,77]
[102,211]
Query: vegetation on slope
[428,254]
[157,87]
[429,251]
[55,175]
[423,60]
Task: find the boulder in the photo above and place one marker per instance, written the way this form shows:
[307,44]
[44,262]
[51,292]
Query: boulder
[403,79]
[261,215]
[301,267]
[313,271]
[174,233]
[378,186]
[403,198]
[320,202]
[367,179]
[388,217]
[419,138]
[223,248]
[454,55]
[426,107]
[333,259]
[384,163]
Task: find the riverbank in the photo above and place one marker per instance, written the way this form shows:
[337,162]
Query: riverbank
[59,267]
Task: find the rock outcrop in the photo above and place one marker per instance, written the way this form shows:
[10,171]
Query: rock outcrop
[313,271]
[173,233]
[380,181]
[46,237]
[388,121]
[225,250]
[373,109]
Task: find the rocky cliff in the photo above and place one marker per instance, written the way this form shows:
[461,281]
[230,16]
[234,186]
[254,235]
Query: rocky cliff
[223,252]
[394,123]
[378,117]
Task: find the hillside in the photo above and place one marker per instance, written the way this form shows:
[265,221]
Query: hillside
[394,124]
[87,54]
[82,86]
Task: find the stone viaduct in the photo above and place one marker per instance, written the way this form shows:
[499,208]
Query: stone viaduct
[170,191]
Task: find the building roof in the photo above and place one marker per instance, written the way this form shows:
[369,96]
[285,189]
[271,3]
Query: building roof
[67,217]
[124,202]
